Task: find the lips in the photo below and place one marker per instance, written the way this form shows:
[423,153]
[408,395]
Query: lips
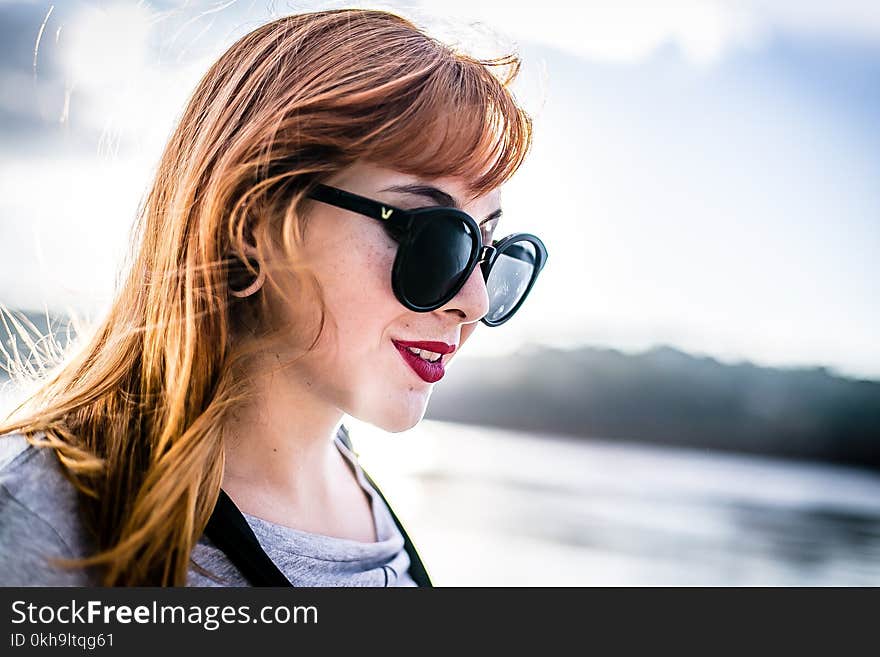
[428,372]
[439,347]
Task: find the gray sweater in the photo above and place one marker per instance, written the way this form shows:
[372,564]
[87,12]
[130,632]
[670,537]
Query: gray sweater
[39,517]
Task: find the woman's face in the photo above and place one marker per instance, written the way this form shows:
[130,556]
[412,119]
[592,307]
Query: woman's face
[356,367]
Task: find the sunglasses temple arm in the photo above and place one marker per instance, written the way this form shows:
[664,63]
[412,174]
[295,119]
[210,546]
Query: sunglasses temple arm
[355,203]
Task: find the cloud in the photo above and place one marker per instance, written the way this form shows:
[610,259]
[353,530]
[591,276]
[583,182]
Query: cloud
[848,19]
[630,30]
[624,31]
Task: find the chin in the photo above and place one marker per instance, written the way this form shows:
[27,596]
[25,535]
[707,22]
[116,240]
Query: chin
[398,423]
[396,420]
[391,409]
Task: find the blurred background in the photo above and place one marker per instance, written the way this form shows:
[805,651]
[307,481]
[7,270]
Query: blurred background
[691,395]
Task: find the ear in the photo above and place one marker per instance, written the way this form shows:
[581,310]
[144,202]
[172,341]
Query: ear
[250,252]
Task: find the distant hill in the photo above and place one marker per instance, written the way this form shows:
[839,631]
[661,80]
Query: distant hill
[668,397]
[40,322]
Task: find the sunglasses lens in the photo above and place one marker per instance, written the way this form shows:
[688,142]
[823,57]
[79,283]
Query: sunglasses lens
[436,259]
[509,279]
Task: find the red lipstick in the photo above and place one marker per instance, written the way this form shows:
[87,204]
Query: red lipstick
[439,347]
[427,371]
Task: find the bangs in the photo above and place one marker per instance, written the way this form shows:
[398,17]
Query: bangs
[457,118]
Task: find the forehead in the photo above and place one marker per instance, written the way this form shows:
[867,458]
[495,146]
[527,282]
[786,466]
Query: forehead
[374,179]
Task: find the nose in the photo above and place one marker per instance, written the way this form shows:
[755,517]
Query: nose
[472,301]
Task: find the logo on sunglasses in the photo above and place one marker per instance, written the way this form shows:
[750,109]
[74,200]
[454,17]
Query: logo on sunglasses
[386,213]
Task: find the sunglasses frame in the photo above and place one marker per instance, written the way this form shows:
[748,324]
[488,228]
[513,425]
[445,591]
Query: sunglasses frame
[408,224]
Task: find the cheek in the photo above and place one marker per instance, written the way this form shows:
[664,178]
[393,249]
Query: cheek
[358,293]
[362,310]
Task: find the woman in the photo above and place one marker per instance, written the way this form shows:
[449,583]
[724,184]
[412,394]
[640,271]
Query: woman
[320,212]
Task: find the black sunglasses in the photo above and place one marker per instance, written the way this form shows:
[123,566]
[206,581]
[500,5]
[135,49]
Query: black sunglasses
[439,249]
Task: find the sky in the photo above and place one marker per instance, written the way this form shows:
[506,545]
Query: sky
[704,174]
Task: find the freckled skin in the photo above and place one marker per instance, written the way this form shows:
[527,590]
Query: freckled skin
[281,463]
[355,367]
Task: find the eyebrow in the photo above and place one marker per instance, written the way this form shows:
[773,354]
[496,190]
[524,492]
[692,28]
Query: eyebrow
[437,195]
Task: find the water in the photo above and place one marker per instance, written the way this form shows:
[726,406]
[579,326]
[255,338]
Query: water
[490,507]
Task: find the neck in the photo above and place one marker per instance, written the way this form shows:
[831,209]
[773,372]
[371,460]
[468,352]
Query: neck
[279,446]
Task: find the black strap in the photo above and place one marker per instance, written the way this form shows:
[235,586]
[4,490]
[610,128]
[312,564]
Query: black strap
[417,569]
[229,531]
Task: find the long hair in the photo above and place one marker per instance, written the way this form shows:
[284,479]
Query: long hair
[135,414]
